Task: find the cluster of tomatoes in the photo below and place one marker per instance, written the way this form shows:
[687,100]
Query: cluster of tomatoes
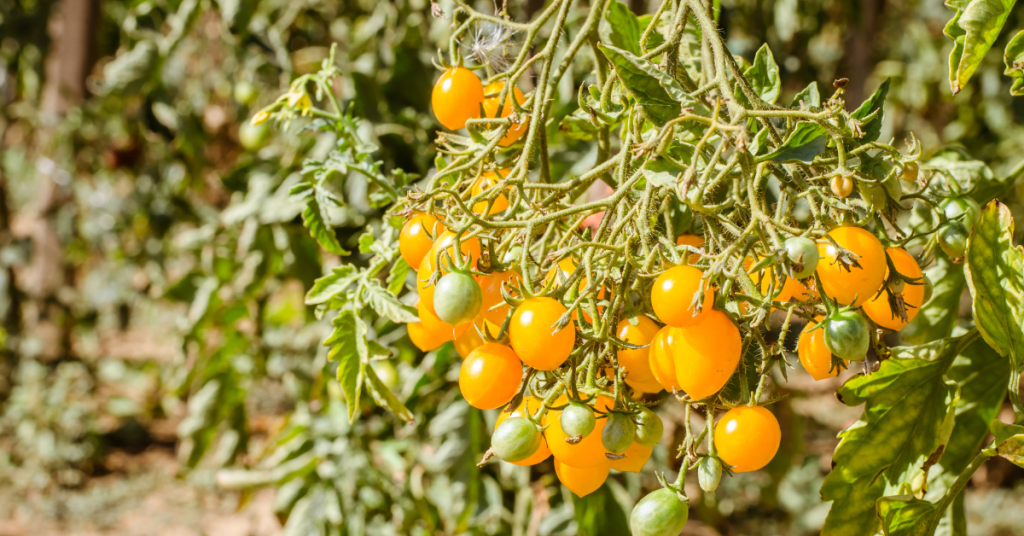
[459,96]
[695,352]
[513,339]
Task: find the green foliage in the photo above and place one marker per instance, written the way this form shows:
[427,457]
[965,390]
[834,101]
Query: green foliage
[973,30]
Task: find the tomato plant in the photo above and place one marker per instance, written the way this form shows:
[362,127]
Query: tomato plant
[730,216]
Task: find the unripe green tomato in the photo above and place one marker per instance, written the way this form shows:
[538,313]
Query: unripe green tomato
[847,335]
[649,427]
[577,420]
[515,439]
[245,93]
[802,253]
[660,513]
[253,137]
[953,239]
[709,473]
[618,433]
[955,206]
[457,298]
[929,288]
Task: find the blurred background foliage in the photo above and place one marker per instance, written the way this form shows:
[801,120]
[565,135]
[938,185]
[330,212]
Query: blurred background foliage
[153,268]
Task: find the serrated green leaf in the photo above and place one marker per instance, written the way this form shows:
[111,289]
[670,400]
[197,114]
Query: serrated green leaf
[332,284]
[909,415]
[660,178]
[384,397]
[973,30]
[1009,441]
[763,76]
[876,101]
[1013,57]
[995,277]
[366,242]
[351,353]
[622,28]
[659,96]
[316,221]
[654,39]
[905,515]
[396,278]
[982,376]
[578,126]
[937,318]
[806,142]
[810,96]
[386,304]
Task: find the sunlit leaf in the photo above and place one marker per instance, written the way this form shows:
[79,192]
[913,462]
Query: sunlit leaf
[973,30]
[384,397]
[806,142]
[1013,57]
[659,96]
[315,220]
[995,277]
[332,284]
[908,417]
[386,304]
[350,351]
[876,102]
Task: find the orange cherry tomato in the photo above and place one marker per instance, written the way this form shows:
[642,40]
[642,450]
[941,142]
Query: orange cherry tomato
[581,481]
[858,285]
[691,240]
[673,293]
[649,386]
[490,376]
[747,438]
[637,362]
[636,457]
[423,339]
[487,181]
[814,355]
[417,237]
[491,109]
[663,364]
[706,355]
[533,335]
[529,404]
[457,97]
[877,308]
[445,243]
[589,452]
[490,285]
[438,327]
[469,339]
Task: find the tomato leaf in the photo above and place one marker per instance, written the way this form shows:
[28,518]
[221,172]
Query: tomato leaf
[384,397]
[806,142]
[763,76]
[332,284]
[810,97]
[396,278]
[995,277]
[1009,442]
[937,318]
[982,376]
[623,29]
[351,353]
[973,30]
[905,515]
[659,96]
[874,103]
[909,415]
[386,304]
[1013,57]
[314,218]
